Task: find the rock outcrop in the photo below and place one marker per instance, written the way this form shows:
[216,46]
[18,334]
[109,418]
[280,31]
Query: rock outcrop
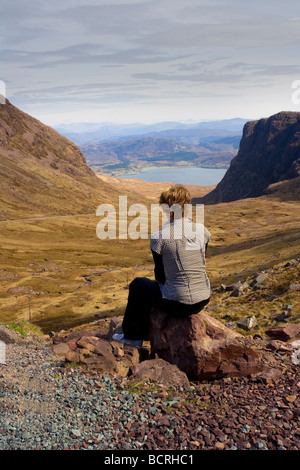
[195,348]
[89,350]
[202,347]
[269,152]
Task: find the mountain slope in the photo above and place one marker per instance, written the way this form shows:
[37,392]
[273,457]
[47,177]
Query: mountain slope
[269,152]
[42,172]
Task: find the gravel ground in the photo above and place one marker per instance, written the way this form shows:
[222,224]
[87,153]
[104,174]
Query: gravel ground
[47,406]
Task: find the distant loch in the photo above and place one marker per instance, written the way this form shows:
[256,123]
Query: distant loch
[181,175]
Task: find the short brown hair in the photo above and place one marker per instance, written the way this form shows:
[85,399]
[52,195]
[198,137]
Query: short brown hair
[176,194]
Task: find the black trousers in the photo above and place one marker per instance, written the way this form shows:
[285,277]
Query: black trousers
[144,294]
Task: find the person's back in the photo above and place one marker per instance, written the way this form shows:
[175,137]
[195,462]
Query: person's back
[181,244]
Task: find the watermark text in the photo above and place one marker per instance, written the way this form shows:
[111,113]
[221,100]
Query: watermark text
[296,93]
[138,222]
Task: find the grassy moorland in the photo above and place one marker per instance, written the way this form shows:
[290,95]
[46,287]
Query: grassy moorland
[47,260]
[251,236]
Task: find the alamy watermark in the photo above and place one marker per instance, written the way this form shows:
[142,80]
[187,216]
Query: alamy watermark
[2,92]
[137,222]
[296,93]
[2,352]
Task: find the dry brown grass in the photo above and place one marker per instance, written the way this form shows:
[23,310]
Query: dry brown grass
[151,190]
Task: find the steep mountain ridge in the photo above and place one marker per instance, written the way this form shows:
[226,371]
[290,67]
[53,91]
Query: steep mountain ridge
[43,173]
[269,153]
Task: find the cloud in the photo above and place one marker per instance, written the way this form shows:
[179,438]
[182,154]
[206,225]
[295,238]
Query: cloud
[89,53]
[149,51]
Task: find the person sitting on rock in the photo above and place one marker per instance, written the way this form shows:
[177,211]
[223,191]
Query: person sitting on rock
[181,286]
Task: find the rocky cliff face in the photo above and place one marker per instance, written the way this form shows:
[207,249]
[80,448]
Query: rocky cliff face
[269,152]
[42,172]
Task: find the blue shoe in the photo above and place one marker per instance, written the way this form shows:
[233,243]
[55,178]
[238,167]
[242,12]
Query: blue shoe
[138,343]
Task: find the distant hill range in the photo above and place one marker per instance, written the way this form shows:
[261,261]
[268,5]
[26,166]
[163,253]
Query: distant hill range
[43,173]
[192,133]
[131,155]
[116,149]
[269,153]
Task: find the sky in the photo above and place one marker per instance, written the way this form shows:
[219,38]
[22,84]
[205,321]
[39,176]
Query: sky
[129,61]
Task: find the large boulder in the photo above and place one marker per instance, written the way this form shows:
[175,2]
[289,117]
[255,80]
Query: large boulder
[202,347]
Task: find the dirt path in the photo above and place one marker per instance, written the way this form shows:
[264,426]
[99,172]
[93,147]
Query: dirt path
[29,219]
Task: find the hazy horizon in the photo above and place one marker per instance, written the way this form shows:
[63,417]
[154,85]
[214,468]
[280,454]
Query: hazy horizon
[189,122]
